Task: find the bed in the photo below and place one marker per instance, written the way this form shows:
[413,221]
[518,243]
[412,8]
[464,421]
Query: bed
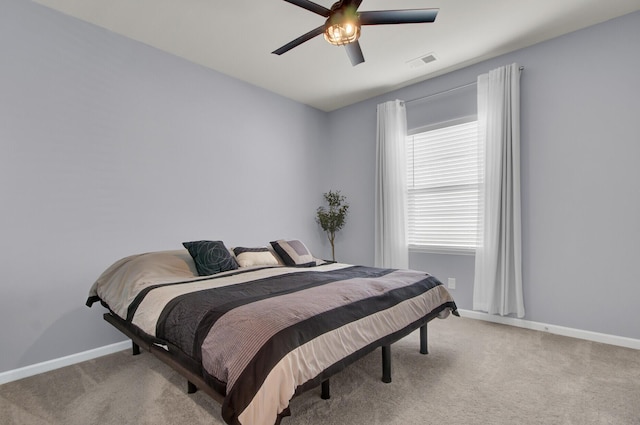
[266,325]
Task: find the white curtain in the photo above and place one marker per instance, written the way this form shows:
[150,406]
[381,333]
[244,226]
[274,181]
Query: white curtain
[498,274]
[391,249]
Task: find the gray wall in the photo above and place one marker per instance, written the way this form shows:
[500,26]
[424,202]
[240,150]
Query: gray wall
[109,147]
[580,178]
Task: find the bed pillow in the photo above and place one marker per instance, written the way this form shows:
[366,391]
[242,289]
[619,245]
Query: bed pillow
[249,257]
[211,257]
[293,253]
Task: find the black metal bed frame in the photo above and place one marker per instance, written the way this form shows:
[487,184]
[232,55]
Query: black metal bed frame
[195,381]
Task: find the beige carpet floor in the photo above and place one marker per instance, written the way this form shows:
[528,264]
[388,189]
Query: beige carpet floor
[476,373]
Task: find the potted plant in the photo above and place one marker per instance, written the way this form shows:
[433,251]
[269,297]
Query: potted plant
[332,219]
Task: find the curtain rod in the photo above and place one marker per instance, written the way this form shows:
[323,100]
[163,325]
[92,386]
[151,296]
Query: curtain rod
[446,91]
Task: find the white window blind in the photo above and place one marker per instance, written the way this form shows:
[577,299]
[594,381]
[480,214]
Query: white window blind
[443,183]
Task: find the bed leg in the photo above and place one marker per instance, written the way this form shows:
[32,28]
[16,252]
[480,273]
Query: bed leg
[386,364]
[135,348]
[423,340]
[326,391]
[191,387]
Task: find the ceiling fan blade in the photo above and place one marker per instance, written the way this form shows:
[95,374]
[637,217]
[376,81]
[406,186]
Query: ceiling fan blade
[355,53]
[298,41]
[409,16]
[312,7]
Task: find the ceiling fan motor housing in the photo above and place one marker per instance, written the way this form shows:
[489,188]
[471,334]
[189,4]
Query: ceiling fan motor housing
[343,24]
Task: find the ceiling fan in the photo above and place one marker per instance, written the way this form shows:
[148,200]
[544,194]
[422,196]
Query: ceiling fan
[342,27]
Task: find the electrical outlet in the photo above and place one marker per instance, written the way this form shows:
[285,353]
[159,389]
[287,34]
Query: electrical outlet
[451,284]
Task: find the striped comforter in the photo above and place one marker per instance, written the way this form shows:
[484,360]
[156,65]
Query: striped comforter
[260,336]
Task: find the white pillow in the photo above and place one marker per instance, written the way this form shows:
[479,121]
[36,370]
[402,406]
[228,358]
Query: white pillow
[250,257]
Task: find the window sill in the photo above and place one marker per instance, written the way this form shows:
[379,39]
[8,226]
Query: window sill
[451,250]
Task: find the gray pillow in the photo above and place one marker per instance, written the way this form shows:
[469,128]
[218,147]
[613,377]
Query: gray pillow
[293,253]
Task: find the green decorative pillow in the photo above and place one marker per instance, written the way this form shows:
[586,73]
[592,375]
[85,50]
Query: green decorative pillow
[211,257]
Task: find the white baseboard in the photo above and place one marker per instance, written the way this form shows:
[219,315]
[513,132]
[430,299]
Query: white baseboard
[25,372]
[35,369]
[620,341]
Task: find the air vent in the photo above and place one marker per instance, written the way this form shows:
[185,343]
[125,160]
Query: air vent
[422,60]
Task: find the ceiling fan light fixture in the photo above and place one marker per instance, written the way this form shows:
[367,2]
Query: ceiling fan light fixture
[342,28]
[341,34]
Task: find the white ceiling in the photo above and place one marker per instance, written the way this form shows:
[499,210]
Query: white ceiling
[236,37]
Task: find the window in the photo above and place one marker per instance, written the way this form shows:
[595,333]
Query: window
[443,184]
